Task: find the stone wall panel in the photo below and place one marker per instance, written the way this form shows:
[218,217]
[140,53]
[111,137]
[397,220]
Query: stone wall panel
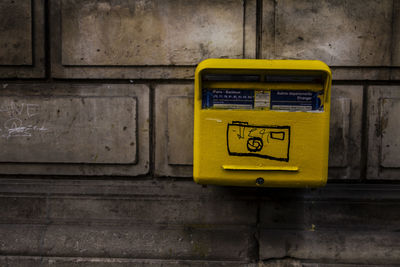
[78,126]
[22,43]
[345,132]
[174,130]
[345,33]
[152,39]
[383,132]
[363,247]
[16,33]
[165,242]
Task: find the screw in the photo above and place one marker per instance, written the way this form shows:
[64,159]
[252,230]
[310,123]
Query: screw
[259,181]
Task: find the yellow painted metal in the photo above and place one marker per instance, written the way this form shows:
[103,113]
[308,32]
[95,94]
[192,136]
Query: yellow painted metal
[298,150]
[260,168]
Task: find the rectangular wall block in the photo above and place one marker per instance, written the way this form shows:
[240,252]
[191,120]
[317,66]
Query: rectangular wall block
[89,129]
[150,32]
[390,144]
[339,132]
[363,247]
[154,39]
[349,224]
[346,33]
[22,39]
[174,130]
[383,132]
[345,132]
[396,34]
[16,32]
[72,129]
[138,241]
[180,130]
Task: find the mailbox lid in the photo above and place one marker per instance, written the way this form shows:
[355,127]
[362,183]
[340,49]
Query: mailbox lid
[261,64]
[250,68]
[251,73]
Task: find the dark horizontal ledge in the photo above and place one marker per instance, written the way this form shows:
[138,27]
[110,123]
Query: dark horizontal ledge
[186,189]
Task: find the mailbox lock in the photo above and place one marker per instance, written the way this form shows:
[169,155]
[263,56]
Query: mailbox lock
[259,181]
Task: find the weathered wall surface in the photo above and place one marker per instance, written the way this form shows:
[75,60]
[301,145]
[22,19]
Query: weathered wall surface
[96,127]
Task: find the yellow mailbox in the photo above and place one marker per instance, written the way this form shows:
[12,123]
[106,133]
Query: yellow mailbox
[261,122]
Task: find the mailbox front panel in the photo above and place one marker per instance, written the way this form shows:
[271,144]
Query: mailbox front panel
[261,123]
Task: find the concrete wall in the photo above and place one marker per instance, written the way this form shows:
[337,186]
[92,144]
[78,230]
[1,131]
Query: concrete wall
[96,119]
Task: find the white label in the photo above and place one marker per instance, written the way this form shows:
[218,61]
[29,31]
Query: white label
[262,99]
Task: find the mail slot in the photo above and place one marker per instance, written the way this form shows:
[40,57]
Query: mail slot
[261,122]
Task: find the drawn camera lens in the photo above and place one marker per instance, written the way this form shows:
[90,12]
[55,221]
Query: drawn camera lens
[255,144]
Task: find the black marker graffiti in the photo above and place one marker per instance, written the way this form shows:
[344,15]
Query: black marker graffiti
[254,144]
[270,142]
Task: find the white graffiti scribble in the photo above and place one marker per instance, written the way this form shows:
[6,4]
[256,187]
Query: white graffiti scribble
[22,131]
[15,115]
